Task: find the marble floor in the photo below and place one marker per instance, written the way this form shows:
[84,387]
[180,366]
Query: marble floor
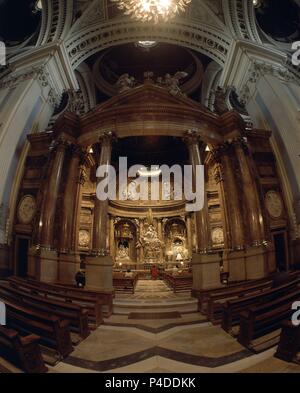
[175,342]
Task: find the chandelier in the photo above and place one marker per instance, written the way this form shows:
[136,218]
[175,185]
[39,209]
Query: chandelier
[152,10]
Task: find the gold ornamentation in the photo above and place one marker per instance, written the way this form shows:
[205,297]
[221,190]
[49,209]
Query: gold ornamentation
[84,238]
[217,236]
[27,209]
[274,204]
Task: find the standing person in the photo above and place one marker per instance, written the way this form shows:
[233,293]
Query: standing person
[154,272]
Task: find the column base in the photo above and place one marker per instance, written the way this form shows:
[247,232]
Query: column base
[68,266]
[99,273]
[256,261]
[251,264]
[206,271]
[42,264]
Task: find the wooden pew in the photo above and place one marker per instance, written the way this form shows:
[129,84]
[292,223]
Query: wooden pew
[105,299]
[289,343]
[91,304]
[261,320]
[204,295]
[216,301]
[178,283]
[24,352]
[233,308]
[77,316]
[124,284]
[54,332]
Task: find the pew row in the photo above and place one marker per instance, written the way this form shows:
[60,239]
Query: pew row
[92,304]
[257,323]
[233,308]
[22,352]
[53,331]
[124,284]
[104,298]
[178,283]
[77,315]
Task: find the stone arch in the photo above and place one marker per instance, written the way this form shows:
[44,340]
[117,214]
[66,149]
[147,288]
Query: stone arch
[56,20]
[240,16]
[211,42]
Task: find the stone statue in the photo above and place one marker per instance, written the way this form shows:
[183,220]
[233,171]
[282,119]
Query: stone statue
[172,82]
[220,104]
[76,102]
[125,82]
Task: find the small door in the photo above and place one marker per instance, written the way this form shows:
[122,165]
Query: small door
[22,256]
[280,251]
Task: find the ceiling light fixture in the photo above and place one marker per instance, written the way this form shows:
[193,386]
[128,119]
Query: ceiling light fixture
[152,10]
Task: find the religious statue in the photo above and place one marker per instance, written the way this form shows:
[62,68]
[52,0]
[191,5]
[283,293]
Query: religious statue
[130,192]
[151,243]
[125,82]
[220,104]
[172,82]
[123,253]
[76,102]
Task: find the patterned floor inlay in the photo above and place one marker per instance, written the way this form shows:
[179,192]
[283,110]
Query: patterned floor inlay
[153,315]
[123,361]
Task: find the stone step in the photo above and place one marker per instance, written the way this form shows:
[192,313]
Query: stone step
[126,307]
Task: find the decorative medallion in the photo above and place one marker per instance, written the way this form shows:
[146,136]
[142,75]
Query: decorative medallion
[217,236]
[27,209]
[274,204]
[84,238]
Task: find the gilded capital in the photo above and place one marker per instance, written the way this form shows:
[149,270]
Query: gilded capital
[191,137]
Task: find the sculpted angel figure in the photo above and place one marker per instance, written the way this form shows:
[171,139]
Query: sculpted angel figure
[172,82]
[125,82]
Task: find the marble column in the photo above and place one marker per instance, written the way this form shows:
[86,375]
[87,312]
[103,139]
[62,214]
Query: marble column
[99,265]
[101,207]
[160,236]
[234,227]
[255,222]
[43,258]
[257,254]
[189,234]
[47,217]
[112,237]
[69,260]
[69,200]
[205,263]
[201,217]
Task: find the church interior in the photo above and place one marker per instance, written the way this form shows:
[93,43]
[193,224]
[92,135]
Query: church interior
[125,284]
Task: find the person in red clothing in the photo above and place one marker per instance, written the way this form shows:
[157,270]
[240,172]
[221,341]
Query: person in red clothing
[154,272]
